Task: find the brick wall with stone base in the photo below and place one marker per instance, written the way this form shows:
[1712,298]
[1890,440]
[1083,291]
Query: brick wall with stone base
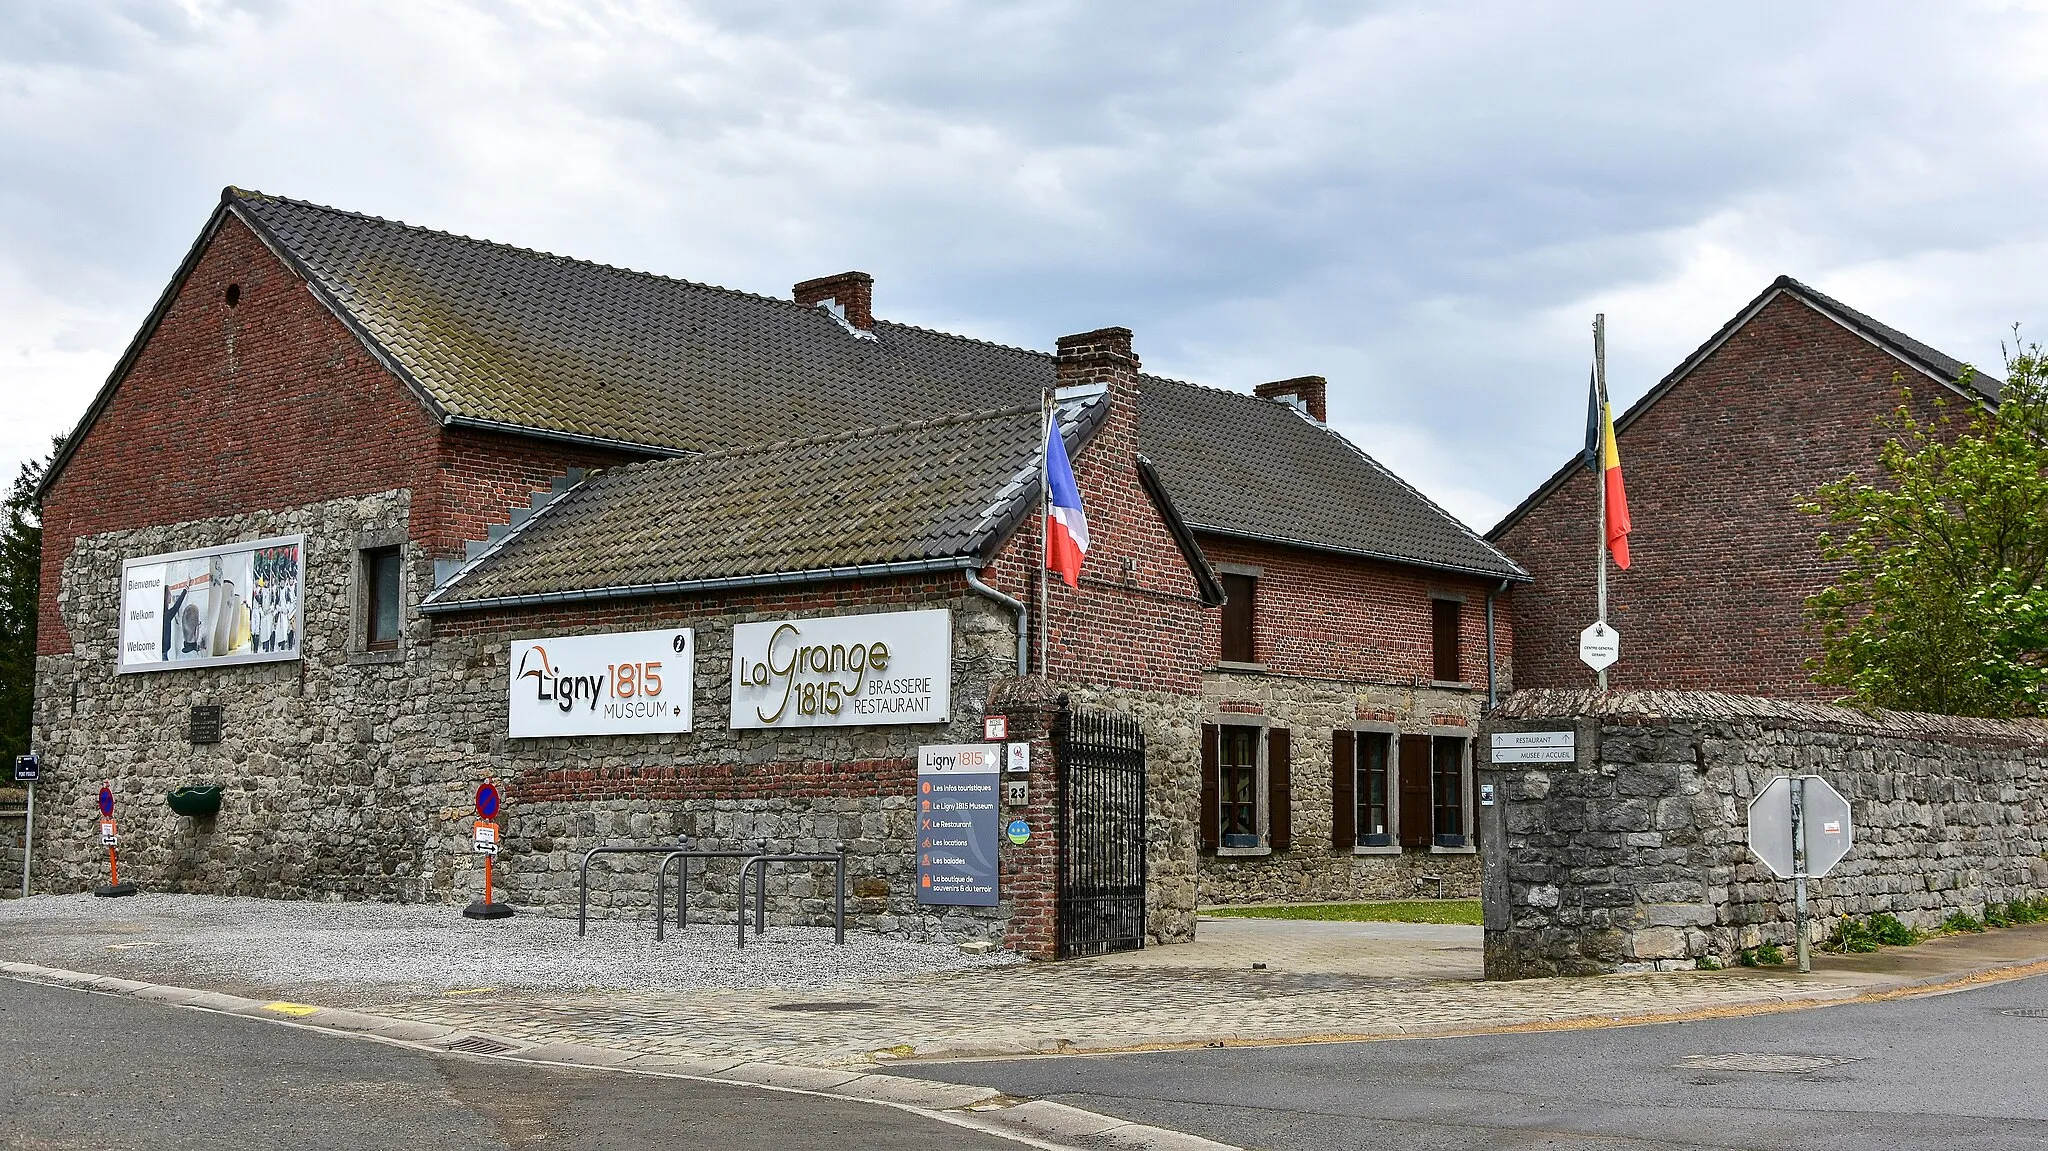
[1634,855]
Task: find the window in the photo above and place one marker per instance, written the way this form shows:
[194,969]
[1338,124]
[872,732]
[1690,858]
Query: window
[1374,826]
[1447,790]
[1237,813]
[1247,788]
[1237,618]
[1443,626]
[385,581]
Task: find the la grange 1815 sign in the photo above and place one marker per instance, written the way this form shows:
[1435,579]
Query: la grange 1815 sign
[840,670]
[624,683]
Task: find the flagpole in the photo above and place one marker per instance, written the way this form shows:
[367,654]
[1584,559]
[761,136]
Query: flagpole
[1600,476]
[1044,532]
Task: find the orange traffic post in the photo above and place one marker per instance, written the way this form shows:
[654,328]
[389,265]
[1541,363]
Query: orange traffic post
[109,838]
[484,837]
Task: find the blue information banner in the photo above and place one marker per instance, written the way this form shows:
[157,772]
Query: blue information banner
[958,823]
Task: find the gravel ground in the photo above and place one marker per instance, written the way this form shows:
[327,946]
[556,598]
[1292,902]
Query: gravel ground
[430,947]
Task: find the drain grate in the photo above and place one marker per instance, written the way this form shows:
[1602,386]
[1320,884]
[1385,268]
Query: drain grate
[824,1005]
[2027,1013]
[478,1045]
[1773,1064]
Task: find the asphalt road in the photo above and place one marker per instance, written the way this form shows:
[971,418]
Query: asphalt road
[81,1070]
[1948,1071]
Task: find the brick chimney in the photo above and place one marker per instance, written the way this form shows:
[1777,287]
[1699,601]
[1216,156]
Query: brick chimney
[1102,356]
[1303,392]
[852,294]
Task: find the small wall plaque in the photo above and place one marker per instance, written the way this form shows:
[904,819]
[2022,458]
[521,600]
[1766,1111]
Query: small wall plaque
[205,723]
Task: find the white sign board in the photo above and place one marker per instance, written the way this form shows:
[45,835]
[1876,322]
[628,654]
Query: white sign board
[237,603]
[1534,746]
[1829,832]
[1599,646]
[623,683]
[838,670]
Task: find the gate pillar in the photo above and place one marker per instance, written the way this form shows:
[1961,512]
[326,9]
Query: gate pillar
[1028,873]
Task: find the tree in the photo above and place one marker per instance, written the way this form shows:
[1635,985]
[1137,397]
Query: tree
[21,563]
[1942,606]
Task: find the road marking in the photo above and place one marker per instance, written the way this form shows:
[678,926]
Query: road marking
[471,991]
[291,1008]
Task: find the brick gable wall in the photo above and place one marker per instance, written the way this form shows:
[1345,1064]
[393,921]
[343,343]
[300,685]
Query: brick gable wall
[1136,621]
[1723,557]
[269,404]
[1334,617]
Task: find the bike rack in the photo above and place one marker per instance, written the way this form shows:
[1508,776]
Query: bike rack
[583,878]
[838,861]
[682,857]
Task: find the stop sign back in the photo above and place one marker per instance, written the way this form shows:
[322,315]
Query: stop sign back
[1829,832]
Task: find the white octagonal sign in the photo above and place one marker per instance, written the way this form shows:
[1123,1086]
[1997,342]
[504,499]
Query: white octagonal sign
[1829,833]
[1599,646]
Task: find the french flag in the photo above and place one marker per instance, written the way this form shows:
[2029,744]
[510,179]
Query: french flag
[1066,526]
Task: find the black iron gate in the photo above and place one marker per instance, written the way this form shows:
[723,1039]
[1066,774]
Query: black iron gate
[1102,833]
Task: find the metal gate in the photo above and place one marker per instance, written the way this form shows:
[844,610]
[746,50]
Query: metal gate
[1102,833]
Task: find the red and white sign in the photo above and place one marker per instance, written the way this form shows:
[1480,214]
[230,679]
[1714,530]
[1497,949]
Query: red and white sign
[623,683]
[995,727]
[107,836]
[486,837]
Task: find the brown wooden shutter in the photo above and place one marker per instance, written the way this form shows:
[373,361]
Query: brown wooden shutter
[1415,806]
[1211,787]
[1279,791]
[1343,791]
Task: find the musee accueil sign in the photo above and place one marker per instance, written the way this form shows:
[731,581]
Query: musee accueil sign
[624,683]
[840,670]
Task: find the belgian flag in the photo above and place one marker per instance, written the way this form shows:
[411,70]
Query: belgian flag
[1604,456]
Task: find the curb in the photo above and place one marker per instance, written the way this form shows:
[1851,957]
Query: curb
[1836,996]
[1036,1123]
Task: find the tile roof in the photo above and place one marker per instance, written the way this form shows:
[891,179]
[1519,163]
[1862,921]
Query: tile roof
[934,494]
[497,335]
[1245,466]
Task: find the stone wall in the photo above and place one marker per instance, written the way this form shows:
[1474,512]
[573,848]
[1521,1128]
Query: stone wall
[1314,868]
[320,801]
[349,773]
[1634,855]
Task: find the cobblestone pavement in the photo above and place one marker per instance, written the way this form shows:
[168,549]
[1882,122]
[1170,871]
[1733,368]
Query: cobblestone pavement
[1320,981]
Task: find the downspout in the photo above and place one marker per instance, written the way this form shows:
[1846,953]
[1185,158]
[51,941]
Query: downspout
[1024,617]
[1492,693]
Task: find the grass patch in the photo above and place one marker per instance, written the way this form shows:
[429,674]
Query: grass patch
[1461,911]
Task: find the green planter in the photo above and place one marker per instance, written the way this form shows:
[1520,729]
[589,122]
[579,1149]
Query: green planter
[197,802]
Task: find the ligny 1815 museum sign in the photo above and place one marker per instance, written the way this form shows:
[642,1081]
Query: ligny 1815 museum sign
[624,683]
[836,671]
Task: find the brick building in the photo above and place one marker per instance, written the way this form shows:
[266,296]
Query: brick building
[354,479]
[1718,457]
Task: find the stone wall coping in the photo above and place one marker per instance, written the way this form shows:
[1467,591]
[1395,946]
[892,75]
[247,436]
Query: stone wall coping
[1662,707]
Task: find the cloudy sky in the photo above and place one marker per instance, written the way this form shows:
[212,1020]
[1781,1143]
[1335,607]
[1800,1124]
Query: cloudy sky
[1424,202]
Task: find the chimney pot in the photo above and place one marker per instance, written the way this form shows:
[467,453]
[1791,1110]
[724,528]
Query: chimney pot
[1304,392]
[852,292]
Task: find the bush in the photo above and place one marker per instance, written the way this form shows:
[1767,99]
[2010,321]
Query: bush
[2026,910]
[1853,936]
[1963,921]
[1763,955]
[1709,963]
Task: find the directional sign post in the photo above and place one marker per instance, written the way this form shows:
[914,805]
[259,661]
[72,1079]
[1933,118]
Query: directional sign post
[484,841]
[1800,828]
[27,771]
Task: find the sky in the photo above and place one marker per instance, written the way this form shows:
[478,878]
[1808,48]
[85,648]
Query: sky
[1424,202]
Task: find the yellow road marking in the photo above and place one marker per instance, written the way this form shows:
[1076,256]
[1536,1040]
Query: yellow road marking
[471,991]
[291,1008]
